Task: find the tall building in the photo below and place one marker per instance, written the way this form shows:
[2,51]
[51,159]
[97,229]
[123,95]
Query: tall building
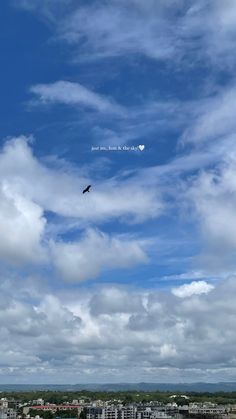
[128,412]
[102,413]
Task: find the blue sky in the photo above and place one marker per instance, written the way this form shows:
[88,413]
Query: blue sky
[134,281]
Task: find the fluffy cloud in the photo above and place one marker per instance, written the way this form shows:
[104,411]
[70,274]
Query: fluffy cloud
[94,253]
[195,287]
[213,196]
[29,188]
[82,335]
[22,227]
[59,190]
[114,300]
[39,326]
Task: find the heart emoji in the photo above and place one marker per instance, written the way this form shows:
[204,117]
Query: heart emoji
[141,147]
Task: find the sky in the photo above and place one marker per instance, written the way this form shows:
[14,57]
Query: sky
[135,280]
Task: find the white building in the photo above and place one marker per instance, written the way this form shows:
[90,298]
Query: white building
[38,402]
[129,412]
[207,409]
[4,403]
[148,413]
[102,413]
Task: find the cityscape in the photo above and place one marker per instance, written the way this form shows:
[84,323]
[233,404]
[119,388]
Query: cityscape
[178,406]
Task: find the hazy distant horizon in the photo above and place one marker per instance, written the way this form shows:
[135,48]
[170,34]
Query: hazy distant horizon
[116,387]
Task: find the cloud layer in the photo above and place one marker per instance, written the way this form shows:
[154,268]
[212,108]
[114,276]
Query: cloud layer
[112,331]
[176,30]
[159,71]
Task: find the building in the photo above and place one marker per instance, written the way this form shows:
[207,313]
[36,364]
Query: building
[128,412]
[7,413]
[132,412]
[102,413]
[52,408]
[208,409]
[11,404]
[38,402]
[156,414]
[4,403]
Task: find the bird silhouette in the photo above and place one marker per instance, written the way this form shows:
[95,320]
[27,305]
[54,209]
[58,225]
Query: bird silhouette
[87,189]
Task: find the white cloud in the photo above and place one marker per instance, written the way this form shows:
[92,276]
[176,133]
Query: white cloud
[80,333]
[213,197]
[22,228]
[158,30]
[194,288]
[186,275]
[59,190]
[214,118]
[30,187]
[222,32]
[167,351]
[142,31]
[114,300]
[95,252]
[69,93]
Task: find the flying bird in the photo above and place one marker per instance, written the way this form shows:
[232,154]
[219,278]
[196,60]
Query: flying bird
[87,189]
